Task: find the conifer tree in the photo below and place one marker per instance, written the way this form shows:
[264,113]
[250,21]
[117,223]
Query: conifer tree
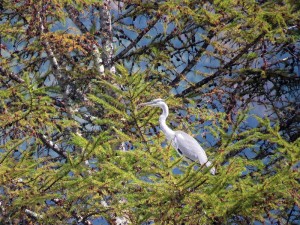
[76,149]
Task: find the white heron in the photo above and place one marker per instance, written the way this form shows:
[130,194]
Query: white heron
[184,144]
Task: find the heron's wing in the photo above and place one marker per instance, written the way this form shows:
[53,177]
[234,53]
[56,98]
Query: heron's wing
[175,145]
[189,147]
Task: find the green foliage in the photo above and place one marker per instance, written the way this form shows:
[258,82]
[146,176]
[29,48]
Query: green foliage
[71,138]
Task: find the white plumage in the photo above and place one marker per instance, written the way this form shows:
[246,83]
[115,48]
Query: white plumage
[184,144]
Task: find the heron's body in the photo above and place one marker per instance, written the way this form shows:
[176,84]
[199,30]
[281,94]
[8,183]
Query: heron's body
[188,149]
[184,144]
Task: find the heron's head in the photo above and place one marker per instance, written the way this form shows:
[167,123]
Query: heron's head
[156,103]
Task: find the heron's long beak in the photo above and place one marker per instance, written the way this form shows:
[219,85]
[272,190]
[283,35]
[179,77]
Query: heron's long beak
[143,104]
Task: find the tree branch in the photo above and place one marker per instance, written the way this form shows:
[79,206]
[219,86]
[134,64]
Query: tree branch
[194,60]
[33,214]
[74,15]
[139,37]
[98,60]
[11,75]
[221,71]
[107,36]
[52,145]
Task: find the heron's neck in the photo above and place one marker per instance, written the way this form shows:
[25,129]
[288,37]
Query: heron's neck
[162,122]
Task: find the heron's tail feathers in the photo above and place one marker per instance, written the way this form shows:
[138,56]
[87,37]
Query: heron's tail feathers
[213,169]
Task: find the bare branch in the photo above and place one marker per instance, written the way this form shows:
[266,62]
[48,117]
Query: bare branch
[11,75]
[74,15]
[52,145]
[33,214]
[139,37]
[107,40]
[221,71]
[98,60]
[195,59]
